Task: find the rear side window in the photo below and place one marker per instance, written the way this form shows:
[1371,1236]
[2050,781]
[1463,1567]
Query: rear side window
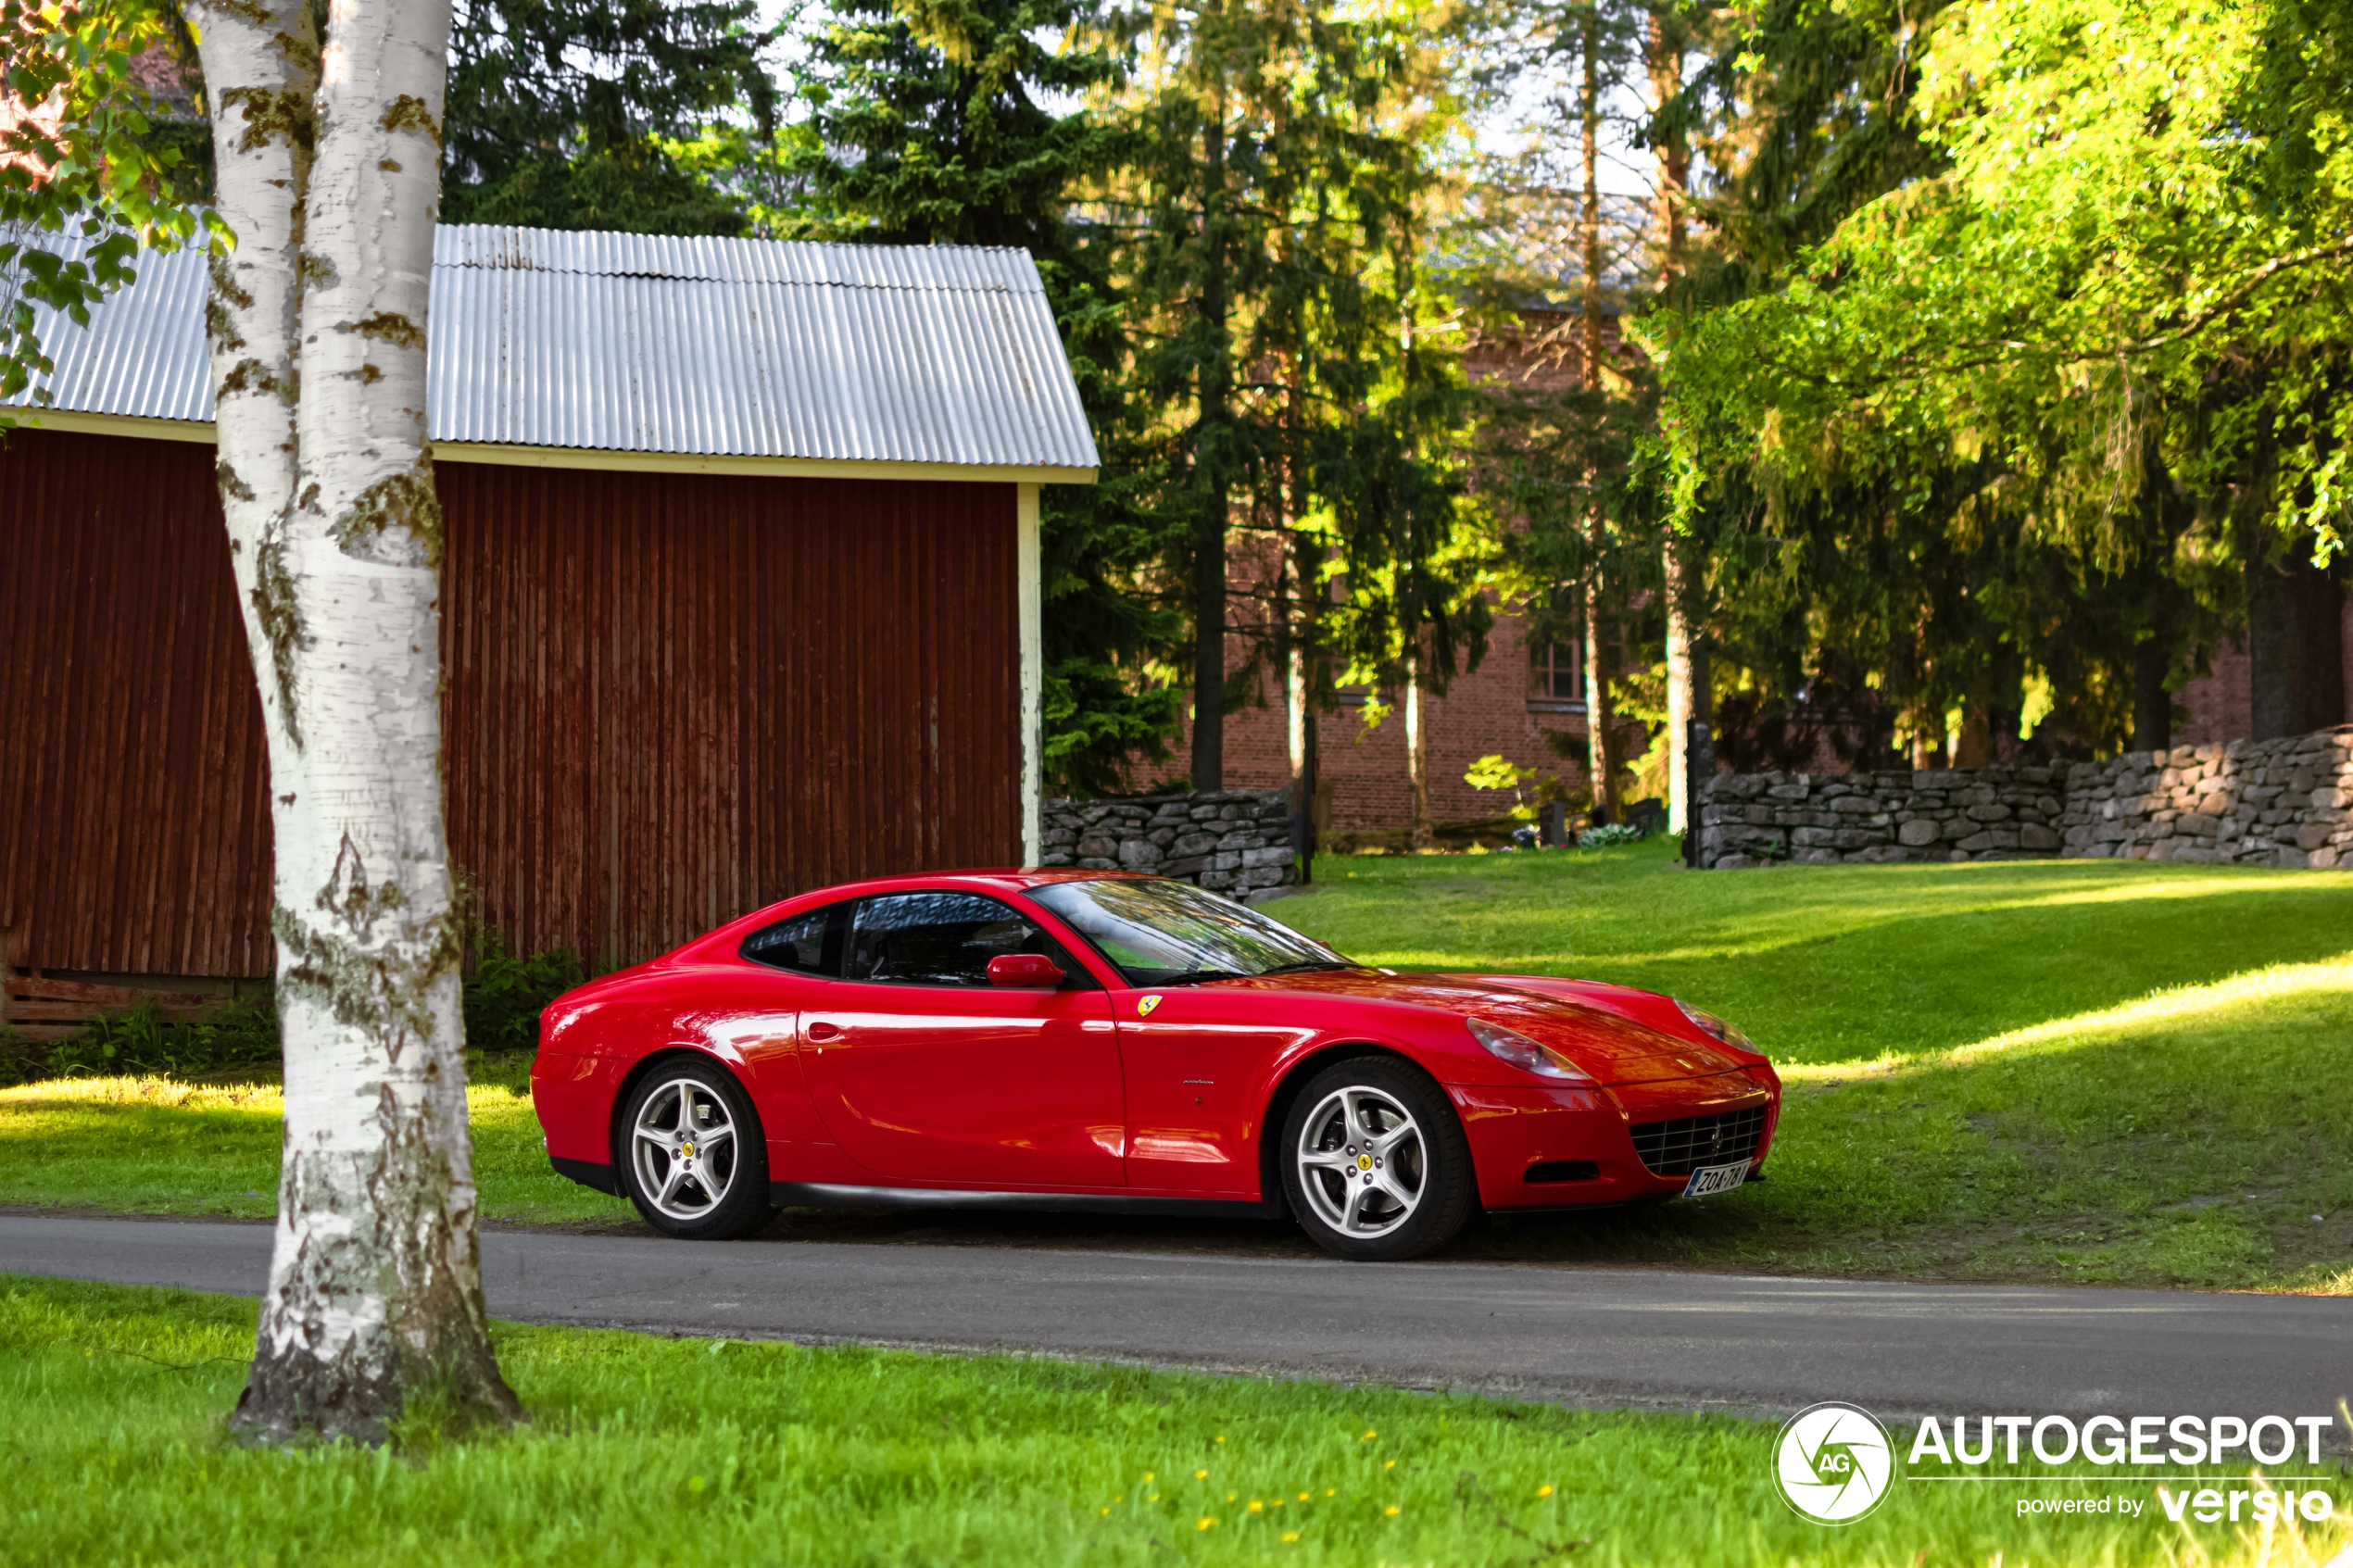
[944,939]
[807,944]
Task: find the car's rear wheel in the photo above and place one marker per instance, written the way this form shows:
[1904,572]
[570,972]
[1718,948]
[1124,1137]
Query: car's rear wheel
[694,1157]
[1375,1163]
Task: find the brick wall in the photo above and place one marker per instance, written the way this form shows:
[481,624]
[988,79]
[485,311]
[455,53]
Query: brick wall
[1486,712]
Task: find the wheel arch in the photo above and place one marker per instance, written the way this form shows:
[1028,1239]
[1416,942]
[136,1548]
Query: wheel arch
[1286,1095]
[650,1064]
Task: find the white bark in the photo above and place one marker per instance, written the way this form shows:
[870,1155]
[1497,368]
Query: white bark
[329,174]
[1418,755]
[1680,654]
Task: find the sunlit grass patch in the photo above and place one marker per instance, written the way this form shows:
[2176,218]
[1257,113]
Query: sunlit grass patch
[146,1145]
[651,1450]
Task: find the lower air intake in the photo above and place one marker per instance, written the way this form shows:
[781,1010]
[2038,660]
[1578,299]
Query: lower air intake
[1677,1148]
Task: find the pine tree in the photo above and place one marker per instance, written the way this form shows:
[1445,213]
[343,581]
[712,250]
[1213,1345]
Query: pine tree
[563,113]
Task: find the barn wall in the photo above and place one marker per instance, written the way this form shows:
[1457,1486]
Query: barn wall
[670,699]
[134,827]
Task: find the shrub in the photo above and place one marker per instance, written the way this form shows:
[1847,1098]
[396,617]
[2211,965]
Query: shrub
[503,997]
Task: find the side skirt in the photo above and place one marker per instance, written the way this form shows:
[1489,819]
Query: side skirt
[588,1173]
[830,1195]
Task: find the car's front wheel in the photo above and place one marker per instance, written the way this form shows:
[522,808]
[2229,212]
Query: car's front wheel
[694,1157]
[1375,1163]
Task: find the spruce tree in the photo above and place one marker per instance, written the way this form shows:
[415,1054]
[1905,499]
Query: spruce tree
[937,124]
[561,111]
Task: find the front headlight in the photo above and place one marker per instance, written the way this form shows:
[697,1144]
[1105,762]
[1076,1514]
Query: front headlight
[1717,1029]
[1510,1045]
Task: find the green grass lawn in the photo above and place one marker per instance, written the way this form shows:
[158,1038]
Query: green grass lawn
[2075,1071]
[644,1450]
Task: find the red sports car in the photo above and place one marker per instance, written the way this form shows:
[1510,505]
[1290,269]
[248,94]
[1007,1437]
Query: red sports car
[1079,1040]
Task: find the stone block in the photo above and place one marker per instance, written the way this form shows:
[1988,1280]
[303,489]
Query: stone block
[2311,835]
[1813,837]
[1138,854]
[1917,833]
[1271,854]
[1855,804]
[1098,847]
[2030,836]
[1734,862]
[1988,812]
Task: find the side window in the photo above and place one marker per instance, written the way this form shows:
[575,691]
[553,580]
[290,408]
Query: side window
[943,939]
[809,943]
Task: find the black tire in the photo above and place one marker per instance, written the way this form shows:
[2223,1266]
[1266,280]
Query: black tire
[1374,1225]
[703,1093]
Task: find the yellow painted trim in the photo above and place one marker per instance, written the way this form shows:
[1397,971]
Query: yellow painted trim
[113,425]
[605,461]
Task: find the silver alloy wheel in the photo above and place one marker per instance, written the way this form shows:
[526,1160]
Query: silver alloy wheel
[1362,1161]
[684,1147]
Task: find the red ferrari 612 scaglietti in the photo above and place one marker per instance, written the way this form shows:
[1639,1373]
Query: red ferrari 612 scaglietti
[1080,1040]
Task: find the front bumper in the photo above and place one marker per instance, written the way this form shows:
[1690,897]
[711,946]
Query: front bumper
[1538,1148]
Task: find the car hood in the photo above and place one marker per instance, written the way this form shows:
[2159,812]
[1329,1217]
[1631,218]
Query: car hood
[1594,1031]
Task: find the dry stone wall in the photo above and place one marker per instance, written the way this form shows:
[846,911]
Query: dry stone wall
[2277,803]
[1232,841]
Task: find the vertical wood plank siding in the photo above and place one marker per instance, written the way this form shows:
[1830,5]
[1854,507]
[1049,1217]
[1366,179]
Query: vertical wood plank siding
[672,699]
[669,699]
[134,826]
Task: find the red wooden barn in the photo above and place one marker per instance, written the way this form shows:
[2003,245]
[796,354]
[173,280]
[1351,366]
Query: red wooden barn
[741,599]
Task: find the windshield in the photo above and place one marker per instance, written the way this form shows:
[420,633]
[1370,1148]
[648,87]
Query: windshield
[1162,933]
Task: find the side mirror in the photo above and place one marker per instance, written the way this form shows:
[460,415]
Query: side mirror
[1034,971]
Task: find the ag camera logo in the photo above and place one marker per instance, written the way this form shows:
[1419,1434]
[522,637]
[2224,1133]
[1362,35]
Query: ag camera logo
[1833,1462]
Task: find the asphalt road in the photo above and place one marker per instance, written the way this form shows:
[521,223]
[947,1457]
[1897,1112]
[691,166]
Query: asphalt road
[1594,1337]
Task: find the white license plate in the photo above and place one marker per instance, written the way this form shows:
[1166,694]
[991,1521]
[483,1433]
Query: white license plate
[1708,1182]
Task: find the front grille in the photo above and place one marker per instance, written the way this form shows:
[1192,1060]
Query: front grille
[1677,1148]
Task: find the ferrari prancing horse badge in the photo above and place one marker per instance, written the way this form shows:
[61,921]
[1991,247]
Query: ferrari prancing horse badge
[1144,1008]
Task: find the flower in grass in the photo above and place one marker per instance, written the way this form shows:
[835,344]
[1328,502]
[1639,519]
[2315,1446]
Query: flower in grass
[1256,1506]
[1205,1522]
[1201,1474]
[1545,1490]
[1331,1491]
[1148,1476]
[1221,1437]
[1231,1496]
[1107,1513]
[1290,1536]
[1391,1465]
[1390,1510]
[1370,1435]
[1302,1497]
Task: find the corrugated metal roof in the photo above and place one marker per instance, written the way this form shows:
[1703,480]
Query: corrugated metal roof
[693,347]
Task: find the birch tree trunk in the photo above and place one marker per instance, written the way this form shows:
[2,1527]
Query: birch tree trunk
[329,173]
[1667,45]
[1417,754]
[1601,726]
[1600,737]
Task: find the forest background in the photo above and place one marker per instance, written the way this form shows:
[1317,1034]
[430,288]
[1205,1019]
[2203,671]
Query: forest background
[1914,382]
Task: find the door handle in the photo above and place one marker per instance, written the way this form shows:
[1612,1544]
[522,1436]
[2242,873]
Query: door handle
[821,1030]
